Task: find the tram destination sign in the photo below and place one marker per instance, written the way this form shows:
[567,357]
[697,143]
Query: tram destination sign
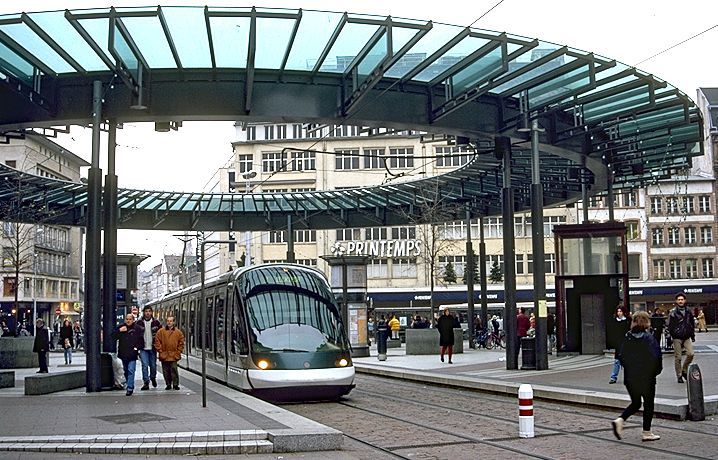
[378,248]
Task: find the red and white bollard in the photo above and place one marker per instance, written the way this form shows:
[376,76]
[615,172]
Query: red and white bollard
[526,411]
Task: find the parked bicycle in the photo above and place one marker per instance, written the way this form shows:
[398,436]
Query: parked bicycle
[490,340]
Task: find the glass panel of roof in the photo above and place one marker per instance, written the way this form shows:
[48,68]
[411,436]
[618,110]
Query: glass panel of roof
[123,50]
[560,86]
[193,48]
[377,53]
[230,38]
[480,71]
[535,72]
[29,40]
[400,36]
[231,9]
[13,64]
[273,36]
[55,24]
[609,85]
[315,29]
[425,47]
[453,56]
[98,29]
[352,39]
[615,104]
[148,35]
[136,9]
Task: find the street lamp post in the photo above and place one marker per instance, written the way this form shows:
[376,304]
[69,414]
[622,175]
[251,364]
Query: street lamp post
[248,176]
[34,286]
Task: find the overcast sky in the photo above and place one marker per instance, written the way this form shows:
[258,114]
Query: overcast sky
[629,31]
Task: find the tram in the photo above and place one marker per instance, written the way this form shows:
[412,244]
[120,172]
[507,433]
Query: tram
[272,330]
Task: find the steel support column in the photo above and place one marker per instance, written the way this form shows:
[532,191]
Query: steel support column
[482,274]
[109,280]
[537,242]
[507,194]
[290,241]
[469,271]
[93,251]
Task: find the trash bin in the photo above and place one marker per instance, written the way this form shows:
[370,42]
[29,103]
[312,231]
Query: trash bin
[528,353]
[107,376]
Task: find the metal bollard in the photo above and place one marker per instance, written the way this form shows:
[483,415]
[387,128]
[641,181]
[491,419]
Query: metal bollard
[696,404]
[526,411]
[382,334]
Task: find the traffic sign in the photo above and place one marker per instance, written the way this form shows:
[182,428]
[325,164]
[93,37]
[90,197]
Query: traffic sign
[58,311]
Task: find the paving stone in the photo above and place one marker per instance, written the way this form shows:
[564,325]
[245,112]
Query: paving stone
[148,448]
[213,436]
[249,447]
[114,448]
[215,448]
[199,436]
[183,437]
[232,435]
[264,447]
[164,448]
[98,448]
[233,447]
[66,448]
[131,448]
[152,437]
[198,448]
[180,448]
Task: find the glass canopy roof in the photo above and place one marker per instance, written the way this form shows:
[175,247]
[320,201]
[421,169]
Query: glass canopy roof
[636,125]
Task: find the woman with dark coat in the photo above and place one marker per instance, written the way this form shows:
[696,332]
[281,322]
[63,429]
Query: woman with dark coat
[41,345]
[445,326]
[67,340]
[617,329]
[641,358]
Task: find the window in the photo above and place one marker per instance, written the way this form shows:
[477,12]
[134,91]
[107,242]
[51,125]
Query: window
[403,233]
[659,269]
[8,229]
[306,262]
[706,235]
[231,180]
[304,161]
[11,163]
[708,268]
[305,236]
[550,264]
[274,236]
[519,264]
[297,131]
[687,205]
[674,268]
[494,258]
[595,202]
[348,234]
[690,235]
[458,262]
[403,268]
[704,204]
[376,233]
[374,158]
[347,159]
[633,231]
[281,131]
[691,268]
[244,163]
[273,162]
[549,222]
[673,236]
[269,132]
[402,157]
[377,268]
[455,230]
[519,229]
[657,237]
[450,156]
[493,227]
[634,266]
[630,199]
[251,133]
[655,205]
[8,255]
[672,205]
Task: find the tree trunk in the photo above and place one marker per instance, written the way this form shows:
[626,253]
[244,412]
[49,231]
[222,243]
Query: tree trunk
[431,291]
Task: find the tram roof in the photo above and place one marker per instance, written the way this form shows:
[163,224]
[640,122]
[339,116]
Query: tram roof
[293,65]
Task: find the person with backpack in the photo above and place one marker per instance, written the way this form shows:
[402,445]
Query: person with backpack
[681,326]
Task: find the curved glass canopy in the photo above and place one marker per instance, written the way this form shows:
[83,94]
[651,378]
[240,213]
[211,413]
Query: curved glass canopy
[259,64]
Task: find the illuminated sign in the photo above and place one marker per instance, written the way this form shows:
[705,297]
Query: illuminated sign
[378,248]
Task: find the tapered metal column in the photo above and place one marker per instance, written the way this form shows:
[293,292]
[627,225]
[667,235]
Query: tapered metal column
[482,274]
[609,190]
[537,241]
[584,190]
[109,280]
[290,241]
[509,259]
[470,279]
[93,305]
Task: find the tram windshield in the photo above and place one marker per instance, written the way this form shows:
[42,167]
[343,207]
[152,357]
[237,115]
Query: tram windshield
[291,310]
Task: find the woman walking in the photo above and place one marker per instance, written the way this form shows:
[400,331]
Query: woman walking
[641,359]
[66,340]
[701,319]
[445,326]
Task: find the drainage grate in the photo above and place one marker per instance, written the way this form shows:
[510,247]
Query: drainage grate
[133,418]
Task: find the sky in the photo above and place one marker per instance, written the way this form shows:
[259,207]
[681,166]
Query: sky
[631,32]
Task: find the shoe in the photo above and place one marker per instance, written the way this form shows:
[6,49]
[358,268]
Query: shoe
[442,359]
[154,383]
[168,387]
[129,393]
[176,387]
[612,381]
[450,362]
[684,375]
[649,436]
[617,427]
[146,386]
[680,379]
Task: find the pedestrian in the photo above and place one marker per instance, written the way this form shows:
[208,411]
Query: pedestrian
[77,329]
[642,361]
[523,325]
[169,343]
[701,317]
[131,341]
[148,355]
[445,325]
[495,324]
[551,331]
[66,340]
[657,323]
[394,325]
[682,328]
[617,329]
[23,331]
[41,345]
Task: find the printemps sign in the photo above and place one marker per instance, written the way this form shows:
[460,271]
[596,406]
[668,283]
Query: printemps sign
[378,248]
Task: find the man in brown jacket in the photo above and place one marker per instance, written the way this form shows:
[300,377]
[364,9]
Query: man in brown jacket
[169,344]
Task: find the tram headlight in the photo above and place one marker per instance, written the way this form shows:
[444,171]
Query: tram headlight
[343,362]
[263,364]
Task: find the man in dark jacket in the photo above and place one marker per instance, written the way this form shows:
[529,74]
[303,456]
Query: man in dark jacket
[445,325]
[148,355]
[131,341]
[41,345]
[681,326]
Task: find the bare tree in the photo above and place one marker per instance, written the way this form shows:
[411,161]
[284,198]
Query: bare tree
[17,252]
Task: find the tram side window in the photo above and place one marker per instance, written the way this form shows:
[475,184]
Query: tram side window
[209,325]
[239,337]
[191,325]
[219,326]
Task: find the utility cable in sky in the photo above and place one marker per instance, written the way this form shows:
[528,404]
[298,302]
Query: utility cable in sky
[487,12]
[674,46]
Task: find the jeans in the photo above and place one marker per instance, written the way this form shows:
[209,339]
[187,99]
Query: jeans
[678,346]
[647,391]
[68,355]
[149,359]
[616,369]
[170,373]
[129,367]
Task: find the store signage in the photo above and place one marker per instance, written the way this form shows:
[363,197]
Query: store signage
[378,248]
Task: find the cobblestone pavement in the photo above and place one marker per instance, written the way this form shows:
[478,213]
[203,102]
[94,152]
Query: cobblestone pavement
[385,418]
